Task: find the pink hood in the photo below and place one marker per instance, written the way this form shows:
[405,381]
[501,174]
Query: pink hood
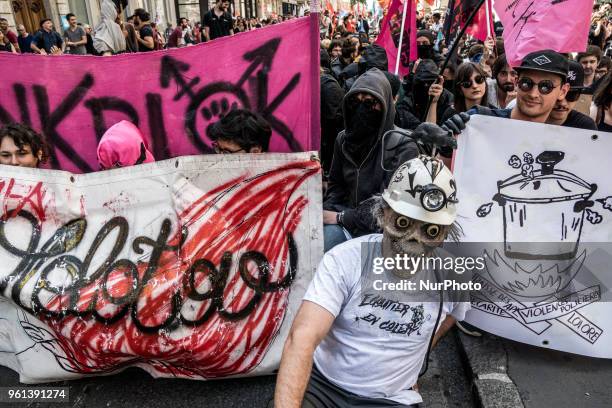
[123,145]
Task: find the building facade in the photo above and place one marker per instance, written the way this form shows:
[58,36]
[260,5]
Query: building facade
[31,12]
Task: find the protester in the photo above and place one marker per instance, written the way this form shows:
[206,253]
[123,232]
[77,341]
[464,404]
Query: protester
[542,82]
[363,26]
[332,339]
[449,76]
[177,38]
[158,38]
[144,32]
[373,56]
[332,122]
[600,109]
[75,38]
[8,34]
[89,47]
[470,89]
[335,50]
[123,145]
[46,40]
[24,39]
[436,26]
[218,21]
[21,146]
[169,30]
[414,108]
[605,66]
[349,53]
[501,88]
[425,47]
[589,60]
[563,113]
[240,131]
[5,44]
[324,23]
[109,39]
[131,38]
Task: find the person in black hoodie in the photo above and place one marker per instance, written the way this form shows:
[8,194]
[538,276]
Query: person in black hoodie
[331,112]
[413,106]
[374,56]
[364,161]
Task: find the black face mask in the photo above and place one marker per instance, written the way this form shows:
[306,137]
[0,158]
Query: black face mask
[420,93]
[425,51]
[363,123]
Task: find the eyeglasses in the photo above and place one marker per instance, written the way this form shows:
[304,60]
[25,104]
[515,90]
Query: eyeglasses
[220,150]
[572,96]
[545,87]
[479,79]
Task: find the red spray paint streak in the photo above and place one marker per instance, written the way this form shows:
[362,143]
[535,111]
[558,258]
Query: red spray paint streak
[245,214]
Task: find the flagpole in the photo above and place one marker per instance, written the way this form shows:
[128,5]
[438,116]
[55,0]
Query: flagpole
[454,49]
[488,13]
[399,47]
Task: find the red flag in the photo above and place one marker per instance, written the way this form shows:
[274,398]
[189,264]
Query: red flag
[478,28]
[390,35]
[329,7]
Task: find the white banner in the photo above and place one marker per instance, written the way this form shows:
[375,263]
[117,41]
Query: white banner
[538,200]
[192,267]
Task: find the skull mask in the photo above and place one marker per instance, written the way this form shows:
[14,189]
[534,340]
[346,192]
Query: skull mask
[418,209]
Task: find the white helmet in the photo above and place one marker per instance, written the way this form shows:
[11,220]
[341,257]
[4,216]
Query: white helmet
[423,189]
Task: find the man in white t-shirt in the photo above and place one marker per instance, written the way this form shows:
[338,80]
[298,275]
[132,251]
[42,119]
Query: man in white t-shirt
[355,342]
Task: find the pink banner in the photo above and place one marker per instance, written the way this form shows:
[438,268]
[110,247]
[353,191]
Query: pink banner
[173,96]
[529,25]
[390,35]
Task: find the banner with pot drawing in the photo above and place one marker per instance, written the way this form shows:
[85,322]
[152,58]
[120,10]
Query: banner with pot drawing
[536,201]
[191,267]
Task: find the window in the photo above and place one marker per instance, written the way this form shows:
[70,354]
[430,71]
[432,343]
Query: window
[79,8]
[191,9]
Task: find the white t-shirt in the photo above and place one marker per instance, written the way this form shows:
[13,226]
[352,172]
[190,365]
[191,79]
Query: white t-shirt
[377,344]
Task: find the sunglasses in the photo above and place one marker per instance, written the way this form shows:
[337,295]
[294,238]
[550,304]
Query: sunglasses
[479,79]
[572,96]
[545,87]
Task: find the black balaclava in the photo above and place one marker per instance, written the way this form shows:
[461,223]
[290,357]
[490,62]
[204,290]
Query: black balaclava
[363,125]
[426,73]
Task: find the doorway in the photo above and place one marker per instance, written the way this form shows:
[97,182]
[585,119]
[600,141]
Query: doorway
[29,13]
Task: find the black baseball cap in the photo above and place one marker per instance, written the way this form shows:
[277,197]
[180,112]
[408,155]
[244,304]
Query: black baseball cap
[575,76]
[545,61]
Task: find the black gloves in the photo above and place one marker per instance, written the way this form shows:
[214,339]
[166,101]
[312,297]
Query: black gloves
[456,123]
[432,134]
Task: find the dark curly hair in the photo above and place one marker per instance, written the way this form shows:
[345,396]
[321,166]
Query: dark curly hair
[23,135]
[603,96]
[245,128]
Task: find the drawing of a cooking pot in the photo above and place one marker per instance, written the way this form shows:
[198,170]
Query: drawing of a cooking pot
[544,206]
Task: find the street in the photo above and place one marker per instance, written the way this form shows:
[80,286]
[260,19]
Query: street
[444,386]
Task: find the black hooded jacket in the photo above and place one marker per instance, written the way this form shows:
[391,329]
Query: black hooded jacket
[373,56]
[331,116]
[351,184]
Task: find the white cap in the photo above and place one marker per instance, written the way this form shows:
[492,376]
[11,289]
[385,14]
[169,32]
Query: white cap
[423,189]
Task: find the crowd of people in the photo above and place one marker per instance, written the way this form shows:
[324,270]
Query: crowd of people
[136,34]
[373,125]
